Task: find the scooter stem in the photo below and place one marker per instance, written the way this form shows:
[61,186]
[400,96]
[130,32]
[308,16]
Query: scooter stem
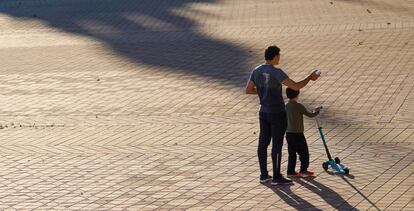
[317,123]
[323,139]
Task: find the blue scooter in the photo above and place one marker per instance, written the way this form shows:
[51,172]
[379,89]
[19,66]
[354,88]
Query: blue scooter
[334,163]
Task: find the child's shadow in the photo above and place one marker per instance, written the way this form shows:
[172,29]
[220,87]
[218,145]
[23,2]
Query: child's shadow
[287,195]
[330,196]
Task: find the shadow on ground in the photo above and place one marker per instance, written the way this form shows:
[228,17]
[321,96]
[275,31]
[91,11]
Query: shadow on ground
[327,194]
[291,198]
[166,37]
[330,196]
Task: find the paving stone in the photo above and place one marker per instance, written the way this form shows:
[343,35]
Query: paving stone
[141,105]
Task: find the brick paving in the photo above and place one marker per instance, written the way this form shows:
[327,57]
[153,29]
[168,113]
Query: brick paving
[140,105]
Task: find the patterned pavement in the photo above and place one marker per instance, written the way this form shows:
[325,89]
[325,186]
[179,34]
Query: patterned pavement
[140,105]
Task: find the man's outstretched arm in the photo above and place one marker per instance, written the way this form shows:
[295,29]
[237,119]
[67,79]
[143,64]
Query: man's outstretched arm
[299,85]
[251,87]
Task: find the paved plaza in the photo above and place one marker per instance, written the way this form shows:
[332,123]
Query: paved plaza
[140,105]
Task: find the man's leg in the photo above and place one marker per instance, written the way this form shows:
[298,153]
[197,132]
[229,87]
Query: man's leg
[264,141]
[290,138]
[279,125]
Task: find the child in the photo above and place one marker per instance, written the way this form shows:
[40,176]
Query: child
[294,135]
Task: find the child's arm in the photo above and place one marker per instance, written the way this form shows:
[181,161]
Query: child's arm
[308,113]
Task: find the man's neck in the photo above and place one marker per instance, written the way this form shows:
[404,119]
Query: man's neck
[269,62]
[294,99]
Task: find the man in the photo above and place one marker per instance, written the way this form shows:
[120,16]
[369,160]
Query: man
[266,80]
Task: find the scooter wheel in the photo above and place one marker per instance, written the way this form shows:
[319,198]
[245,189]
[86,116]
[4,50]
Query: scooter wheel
[346,171]
[337,161]
[325,166]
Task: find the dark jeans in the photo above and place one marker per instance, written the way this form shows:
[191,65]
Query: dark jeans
[297,144]
[272,127]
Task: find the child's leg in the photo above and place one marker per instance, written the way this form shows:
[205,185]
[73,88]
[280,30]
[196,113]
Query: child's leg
[303,152]
[290,138]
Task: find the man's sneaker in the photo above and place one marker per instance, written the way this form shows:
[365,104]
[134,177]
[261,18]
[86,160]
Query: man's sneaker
[296,174]
[306,174]
[281,181]
[265,179]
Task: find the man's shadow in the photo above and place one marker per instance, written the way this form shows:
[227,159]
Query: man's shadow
[287,195]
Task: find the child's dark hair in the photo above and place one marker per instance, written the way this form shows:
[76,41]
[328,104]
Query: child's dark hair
[271,52]
[290,93]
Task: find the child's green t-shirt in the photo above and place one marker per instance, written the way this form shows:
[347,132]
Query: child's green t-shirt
[295,112]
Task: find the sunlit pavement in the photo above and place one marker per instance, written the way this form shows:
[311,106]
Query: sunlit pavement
[140,105]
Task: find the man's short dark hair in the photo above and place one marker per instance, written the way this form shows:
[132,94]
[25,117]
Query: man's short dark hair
[291,93]
[271,52]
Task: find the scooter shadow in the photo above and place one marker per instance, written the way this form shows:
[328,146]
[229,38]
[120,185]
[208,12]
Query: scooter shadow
[327,194]
[350,176]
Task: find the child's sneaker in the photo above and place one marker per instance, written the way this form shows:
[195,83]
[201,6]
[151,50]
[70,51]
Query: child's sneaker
[306,174]
[265,178]
[281,181]
[292,175]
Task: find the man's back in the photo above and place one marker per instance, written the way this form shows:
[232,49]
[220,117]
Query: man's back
[268,81]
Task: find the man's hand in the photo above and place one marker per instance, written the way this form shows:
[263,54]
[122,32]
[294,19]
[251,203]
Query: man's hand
[314,75]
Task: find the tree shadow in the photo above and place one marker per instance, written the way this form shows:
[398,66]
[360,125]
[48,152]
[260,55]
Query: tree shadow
[288,196]
[149,32]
